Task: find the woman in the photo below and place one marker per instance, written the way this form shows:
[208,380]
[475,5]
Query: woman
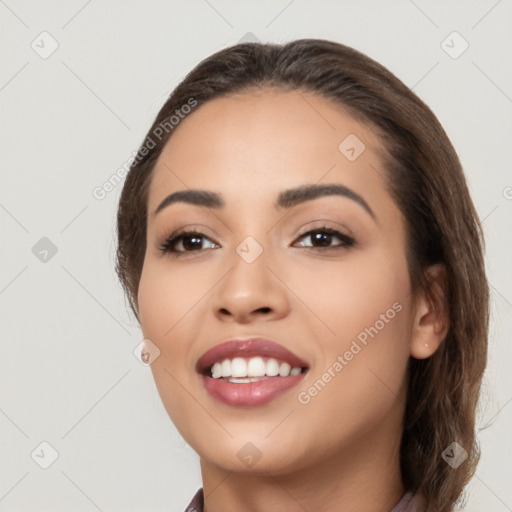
[297,241]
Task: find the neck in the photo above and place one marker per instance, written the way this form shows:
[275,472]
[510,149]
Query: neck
[365,477]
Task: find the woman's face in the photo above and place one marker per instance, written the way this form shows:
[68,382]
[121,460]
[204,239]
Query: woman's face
[339,302]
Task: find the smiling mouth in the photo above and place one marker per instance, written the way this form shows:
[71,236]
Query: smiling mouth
[250,372]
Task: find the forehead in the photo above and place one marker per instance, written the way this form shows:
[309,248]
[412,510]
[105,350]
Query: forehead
[267,140]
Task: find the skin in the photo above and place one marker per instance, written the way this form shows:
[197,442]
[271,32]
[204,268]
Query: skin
[340,451]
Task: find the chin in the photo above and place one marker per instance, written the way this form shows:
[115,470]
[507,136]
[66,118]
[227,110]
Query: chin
[245,456]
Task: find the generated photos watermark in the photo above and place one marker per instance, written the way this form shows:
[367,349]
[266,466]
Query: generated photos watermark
[158,133]
[357,345]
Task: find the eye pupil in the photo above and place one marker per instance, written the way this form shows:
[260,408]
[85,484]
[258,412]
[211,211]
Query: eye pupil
[323,238]
[192,242]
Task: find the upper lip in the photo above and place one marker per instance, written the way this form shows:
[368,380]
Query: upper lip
[251,347]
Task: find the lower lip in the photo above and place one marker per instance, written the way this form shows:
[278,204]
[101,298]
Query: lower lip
[250,394]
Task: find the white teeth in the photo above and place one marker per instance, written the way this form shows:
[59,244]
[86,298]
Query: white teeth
[239,380]
[252,369]
[256,367]
[272,368]
[226,368]
[238,367]
[216,371]
[284,369]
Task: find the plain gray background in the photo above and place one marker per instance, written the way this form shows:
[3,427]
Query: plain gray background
[71,119]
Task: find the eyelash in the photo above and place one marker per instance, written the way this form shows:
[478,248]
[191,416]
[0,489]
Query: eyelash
[168,247]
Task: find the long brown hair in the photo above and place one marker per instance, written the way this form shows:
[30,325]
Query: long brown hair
[426,180]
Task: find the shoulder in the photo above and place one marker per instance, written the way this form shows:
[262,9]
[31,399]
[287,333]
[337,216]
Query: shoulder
[410,503]
[196,505]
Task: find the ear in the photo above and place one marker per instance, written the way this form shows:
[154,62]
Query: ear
[432,319]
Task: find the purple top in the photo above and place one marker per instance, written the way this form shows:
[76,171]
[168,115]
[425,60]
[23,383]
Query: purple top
[408,503]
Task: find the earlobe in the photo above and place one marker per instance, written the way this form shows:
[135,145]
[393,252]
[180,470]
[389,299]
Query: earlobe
[431,321]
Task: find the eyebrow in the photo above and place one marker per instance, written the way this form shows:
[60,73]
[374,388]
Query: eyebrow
[286,199]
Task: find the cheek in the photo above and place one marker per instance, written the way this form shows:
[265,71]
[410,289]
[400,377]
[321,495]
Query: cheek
[366,302]
[351,295]
[167,317]
[165,297]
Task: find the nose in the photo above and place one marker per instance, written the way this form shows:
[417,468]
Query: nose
[249,292]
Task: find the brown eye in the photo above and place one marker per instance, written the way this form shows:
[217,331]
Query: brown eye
[322,238]
[188,241]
